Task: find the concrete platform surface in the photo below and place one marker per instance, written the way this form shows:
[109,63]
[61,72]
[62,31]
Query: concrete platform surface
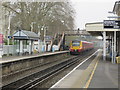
[96,74]
[105,76]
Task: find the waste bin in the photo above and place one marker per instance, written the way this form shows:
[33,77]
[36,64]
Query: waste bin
[118,59]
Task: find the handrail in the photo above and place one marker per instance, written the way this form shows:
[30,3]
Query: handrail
[53,41]
[59,44]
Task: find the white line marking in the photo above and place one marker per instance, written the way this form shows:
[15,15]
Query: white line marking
[72,70]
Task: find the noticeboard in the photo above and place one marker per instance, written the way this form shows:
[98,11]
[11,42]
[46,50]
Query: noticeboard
[111,24]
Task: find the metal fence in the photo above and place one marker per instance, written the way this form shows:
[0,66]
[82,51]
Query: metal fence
[14,49]
[9,49]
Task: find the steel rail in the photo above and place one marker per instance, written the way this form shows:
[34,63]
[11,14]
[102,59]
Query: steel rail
[43,78]
[34,79]
[30,77]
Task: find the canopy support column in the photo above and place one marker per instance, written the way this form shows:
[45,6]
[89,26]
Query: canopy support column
[104,45]
[21,47]
[112,50]
[114,47]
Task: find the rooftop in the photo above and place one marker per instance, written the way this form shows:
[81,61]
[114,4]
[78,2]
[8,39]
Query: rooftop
[27,35]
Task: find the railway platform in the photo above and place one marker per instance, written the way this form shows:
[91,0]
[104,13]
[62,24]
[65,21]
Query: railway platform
[13,65]
[8,59]
[91,73]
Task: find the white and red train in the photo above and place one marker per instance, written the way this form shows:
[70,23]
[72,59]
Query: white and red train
[77,46]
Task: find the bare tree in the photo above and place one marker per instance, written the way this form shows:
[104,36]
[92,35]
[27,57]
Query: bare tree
[53,16]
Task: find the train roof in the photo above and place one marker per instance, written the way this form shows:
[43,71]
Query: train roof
[76,40]
[82,41]
[87,42]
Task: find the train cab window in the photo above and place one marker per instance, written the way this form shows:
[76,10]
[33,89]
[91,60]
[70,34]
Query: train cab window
[75,43]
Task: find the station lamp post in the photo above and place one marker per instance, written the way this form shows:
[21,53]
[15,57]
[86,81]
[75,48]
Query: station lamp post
[42,29]
[39,39]
[8,33]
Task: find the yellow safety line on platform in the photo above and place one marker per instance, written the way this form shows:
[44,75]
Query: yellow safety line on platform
[88,82]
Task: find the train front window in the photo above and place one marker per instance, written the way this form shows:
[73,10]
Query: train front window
[74,43]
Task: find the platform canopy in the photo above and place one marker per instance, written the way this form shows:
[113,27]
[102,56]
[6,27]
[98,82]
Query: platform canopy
[116,8]
[25,35]
[97,28]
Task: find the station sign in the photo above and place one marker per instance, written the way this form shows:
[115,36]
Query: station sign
[111,24]
[10,37]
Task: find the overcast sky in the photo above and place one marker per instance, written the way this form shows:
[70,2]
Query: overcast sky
[89,11]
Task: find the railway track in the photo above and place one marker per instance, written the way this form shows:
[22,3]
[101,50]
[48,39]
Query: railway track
[55,78]
[15,76]
[37,78]
[31,81]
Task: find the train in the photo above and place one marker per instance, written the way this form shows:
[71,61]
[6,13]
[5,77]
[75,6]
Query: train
[78,46]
